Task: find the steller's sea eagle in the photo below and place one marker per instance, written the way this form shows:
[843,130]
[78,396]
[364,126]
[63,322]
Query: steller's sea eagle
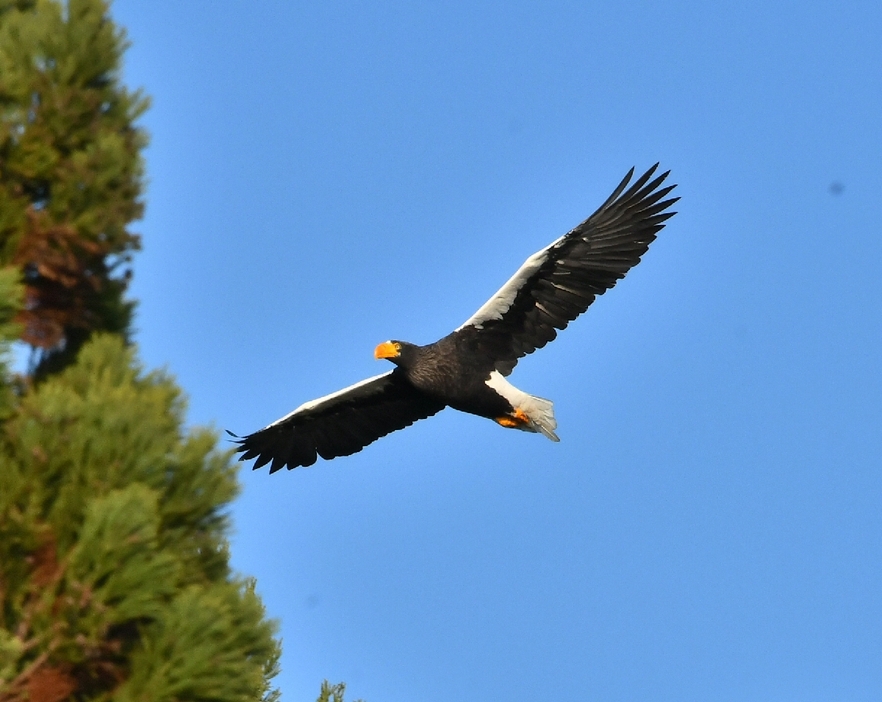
[466,369]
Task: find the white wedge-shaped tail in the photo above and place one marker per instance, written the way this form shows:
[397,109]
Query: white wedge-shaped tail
[539,411]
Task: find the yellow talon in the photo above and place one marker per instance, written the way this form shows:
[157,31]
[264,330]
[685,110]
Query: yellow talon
[514,420]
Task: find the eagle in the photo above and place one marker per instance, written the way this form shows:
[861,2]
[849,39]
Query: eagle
[467,369]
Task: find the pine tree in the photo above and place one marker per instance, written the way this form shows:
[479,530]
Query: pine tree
[332,693]
[71,173]
[114,573]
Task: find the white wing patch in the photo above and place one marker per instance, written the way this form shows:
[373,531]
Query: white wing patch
[501,302]
[539,410]
[317,403]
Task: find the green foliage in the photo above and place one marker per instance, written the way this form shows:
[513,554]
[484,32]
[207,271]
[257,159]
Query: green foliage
[332,693]
[71,174]
[10,303]
[175,662]
[114,570]
[114,581]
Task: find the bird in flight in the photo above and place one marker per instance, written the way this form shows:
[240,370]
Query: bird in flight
[467,369]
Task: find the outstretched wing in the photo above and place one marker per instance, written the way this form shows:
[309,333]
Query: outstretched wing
[339,424]
[558,283]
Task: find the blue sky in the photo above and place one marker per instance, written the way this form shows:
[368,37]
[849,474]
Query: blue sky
[325,176]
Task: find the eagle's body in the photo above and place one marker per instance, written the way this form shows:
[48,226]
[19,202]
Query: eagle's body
[467,369]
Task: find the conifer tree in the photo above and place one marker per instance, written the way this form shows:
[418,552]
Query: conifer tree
[332,693]
[114,575]
[71,173]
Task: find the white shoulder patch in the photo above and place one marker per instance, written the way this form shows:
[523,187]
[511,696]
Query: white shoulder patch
[327,399]
[502,300]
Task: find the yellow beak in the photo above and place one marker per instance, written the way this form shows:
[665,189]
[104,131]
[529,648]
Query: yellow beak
[387,350]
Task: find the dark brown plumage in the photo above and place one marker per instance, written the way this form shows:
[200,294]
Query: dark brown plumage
[466,369]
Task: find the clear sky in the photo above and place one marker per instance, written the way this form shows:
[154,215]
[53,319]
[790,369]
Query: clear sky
[328,175]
